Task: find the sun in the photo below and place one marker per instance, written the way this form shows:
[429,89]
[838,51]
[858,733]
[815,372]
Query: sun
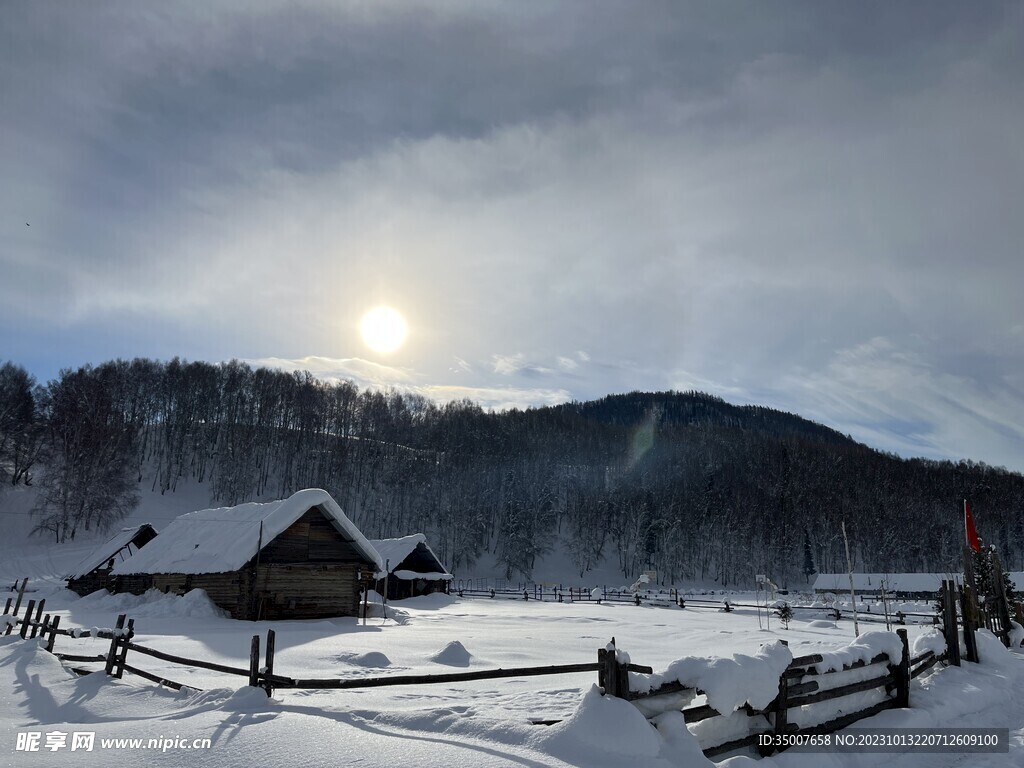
[383,329]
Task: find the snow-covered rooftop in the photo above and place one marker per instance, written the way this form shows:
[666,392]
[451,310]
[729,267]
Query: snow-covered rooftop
[224,539]
[893,582]
[108,549]
[394,551]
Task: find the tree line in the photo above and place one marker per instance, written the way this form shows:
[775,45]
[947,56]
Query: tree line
[682,483]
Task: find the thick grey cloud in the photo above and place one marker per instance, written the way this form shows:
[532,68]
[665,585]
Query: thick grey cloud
[804,205]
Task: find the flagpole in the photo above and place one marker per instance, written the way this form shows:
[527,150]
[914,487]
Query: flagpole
[849,570]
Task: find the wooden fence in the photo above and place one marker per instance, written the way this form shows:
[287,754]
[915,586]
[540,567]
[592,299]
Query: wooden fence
[799,685]
[676,599]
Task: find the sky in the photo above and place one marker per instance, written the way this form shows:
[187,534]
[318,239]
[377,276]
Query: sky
[813,206]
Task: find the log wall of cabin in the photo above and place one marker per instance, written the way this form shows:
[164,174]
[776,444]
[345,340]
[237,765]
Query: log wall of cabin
[92,581]
[308,590]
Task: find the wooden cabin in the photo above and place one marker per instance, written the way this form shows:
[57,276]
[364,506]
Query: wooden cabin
[297,558]
[412,568]
[93,572]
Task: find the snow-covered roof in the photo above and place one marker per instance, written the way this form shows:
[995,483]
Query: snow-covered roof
[109,549]
[394,551]
[893,582]
[224,539]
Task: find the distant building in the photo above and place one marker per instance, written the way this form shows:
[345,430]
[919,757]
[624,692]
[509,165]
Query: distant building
[93,572]
[909,586]
[413,568]
[297,558]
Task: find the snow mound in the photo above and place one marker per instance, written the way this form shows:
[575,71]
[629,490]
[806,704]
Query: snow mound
[249,699]
[453,655]
[822,624]
[602,726]
[993,653]
[682,744]
[932,640]
[381,611]
[153,604]
[374,659]
[864,648]
[1016,635]
[728,682]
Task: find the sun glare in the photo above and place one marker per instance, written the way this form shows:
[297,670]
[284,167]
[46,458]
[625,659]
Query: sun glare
[383,329]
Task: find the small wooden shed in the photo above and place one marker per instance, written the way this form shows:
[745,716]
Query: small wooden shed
[413,568]
[93,572]
[297,558]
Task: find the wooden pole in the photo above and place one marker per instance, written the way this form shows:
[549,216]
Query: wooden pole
[122,648]
[115,637]
[21,594]
[54,625]
[255,577]
[268,683]
[254,661]
[849,570]
[782,703]
[970,641]
[1002,607]
[612,676]
[901,672]
[949,622]
[27,618]
[39,616]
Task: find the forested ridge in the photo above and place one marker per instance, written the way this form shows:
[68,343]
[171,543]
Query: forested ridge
[683,483]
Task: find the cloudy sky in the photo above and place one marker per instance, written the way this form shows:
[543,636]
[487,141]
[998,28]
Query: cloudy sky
[813,206]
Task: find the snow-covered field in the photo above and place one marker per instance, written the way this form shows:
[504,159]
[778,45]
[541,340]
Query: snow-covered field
[482,723]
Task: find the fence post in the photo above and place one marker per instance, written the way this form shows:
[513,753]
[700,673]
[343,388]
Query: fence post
[949,628]
[268,673]
[112,653]
[970,641]
[27,618]
[612,676]
[39,616]
[1002,607]
[7,606]
[53,633]
[21,594]
[781,717]
[122,648]
[901,672]
[254,661]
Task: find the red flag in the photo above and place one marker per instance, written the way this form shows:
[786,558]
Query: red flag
[972,535]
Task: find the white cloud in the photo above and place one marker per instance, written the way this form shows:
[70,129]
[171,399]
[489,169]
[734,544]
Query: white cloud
[370,375]
[507,365]
[364,373]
